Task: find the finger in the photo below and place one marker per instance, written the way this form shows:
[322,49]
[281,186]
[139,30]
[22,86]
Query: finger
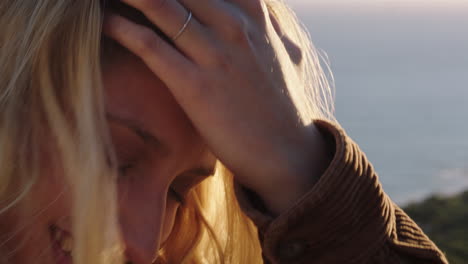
[163,59]
[274,21]
[224,19]
[294,51]
[208,12]
[168,15]
[255,8]
[172,19]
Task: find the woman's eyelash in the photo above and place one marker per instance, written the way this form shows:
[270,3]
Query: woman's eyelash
[178,197]
[123,170]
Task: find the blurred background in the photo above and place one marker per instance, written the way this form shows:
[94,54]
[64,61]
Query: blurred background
[401,75]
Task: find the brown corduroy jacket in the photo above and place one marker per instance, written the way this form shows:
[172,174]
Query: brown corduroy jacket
[345,218]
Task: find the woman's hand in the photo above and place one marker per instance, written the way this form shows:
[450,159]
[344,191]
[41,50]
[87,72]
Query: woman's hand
[231,73]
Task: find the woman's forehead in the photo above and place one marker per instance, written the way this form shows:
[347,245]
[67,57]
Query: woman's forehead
[133,92]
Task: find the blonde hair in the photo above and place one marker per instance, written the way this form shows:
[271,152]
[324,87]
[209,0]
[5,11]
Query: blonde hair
[51,83]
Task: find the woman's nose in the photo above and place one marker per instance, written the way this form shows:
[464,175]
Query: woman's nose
[141,221]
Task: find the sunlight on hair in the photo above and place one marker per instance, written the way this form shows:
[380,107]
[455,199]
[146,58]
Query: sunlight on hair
[50,83]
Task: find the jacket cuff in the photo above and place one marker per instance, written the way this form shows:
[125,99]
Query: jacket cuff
[341,219]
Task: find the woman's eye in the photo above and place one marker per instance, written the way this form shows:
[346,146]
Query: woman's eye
[176,196]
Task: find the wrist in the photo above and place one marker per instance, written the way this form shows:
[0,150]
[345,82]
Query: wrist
[302,168]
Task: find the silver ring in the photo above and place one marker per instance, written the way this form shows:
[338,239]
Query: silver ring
[184,27]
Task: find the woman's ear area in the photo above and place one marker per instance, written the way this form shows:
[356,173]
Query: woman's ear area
[293,49]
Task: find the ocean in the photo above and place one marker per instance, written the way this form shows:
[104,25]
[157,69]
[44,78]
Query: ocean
[401,75]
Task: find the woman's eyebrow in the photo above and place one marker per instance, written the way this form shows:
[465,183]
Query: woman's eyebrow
[139,129]
[149,138]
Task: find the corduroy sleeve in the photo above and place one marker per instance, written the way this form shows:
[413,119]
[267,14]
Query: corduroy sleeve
[345,218]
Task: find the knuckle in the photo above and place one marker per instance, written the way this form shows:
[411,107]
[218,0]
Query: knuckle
[146,42]
[236,30]
[221,60]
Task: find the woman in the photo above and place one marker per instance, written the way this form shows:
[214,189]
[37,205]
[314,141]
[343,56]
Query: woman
[109,142]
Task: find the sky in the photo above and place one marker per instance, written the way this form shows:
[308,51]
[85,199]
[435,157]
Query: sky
[411,5]
[406,53]
[371,2]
